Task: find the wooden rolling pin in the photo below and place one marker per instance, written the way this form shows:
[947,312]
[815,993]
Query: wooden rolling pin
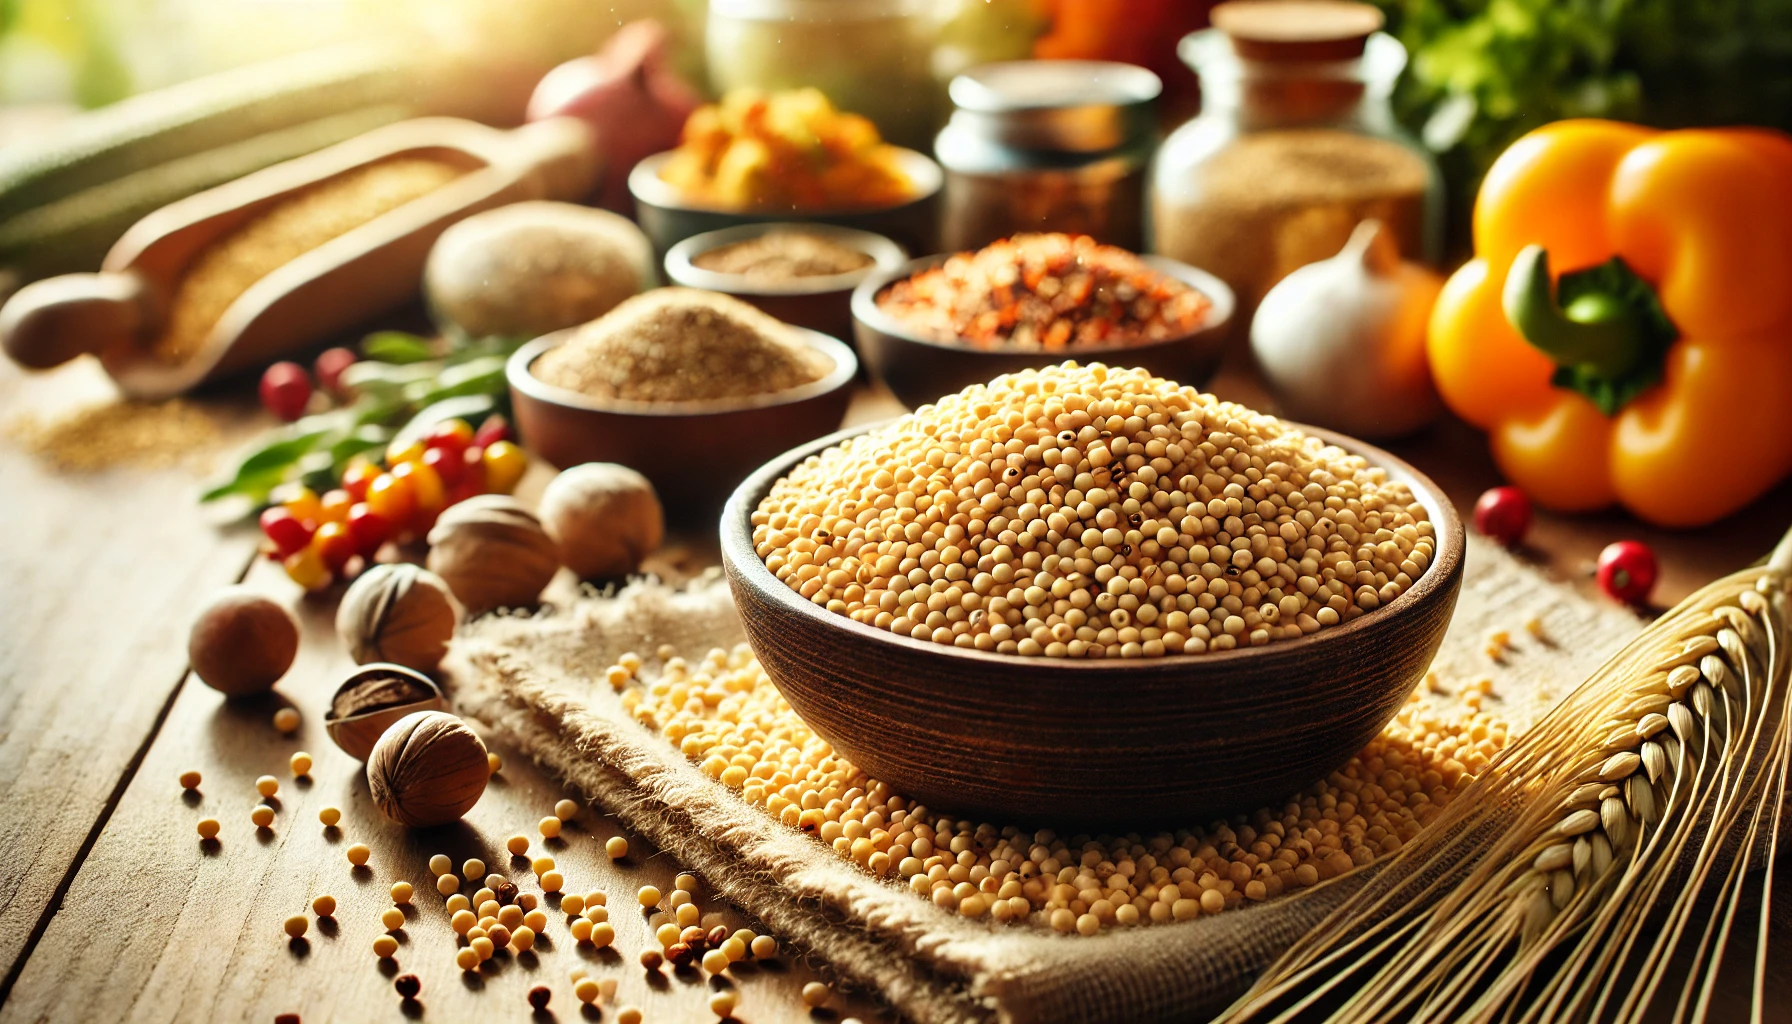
[119,312]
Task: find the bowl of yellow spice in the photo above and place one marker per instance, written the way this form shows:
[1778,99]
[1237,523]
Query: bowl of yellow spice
[1084,594]
[693,389]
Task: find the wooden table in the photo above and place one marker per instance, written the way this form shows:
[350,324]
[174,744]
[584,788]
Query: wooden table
[112,909]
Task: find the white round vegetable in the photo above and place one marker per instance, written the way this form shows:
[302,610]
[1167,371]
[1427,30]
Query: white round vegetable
[1342,341]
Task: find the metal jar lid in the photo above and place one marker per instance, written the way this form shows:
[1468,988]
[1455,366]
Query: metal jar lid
[1070,106]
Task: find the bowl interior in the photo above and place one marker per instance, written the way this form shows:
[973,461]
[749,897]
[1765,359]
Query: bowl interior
[681,268]
[866,310]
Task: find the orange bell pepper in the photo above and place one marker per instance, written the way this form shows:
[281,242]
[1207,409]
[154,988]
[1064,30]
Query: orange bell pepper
[1654,368]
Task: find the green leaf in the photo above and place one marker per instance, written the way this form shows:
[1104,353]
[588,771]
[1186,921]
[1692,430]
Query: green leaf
[398,347]
[275,457]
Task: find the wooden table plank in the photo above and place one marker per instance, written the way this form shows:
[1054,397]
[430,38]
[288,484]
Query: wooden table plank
[160,927]
[102,573]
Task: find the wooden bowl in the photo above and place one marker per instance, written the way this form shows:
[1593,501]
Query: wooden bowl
[668,218]
[693,452]
[919,369]
[820,303]
[1105,744]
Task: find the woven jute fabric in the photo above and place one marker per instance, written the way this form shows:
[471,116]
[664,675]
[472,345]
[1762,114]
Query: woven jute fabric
[538,682]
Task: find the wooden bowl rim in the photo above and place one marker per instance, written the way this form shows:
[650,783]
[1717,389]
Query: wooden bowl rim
[646,186]
[681,269]
[522,379]
[867,312]
[749,568]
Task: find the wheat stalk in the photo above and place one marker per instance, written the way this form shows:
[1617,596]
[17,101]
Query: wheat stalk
[1608,866]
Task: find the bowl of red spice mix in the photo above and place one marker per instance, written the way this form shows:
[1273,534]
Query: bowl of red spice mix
[938,324]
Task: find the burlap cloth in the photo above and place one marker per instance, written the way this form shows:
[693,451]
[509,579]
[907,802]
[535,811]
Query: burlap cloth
[537,681]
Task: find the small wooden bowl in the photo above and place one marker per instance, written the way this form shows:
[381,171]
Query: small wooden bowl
[1109,744]
[820,303]
[668,218]
[919,369]
[693,452]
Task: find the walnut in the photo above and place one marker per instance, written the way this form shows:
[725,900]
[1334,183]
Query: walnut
[242,643]
[493,553]
[429,768]
[604,517]
[397,613]
[373,698]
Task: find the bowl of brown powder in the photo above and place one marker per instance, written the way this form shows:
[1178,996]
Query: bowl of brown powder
[803,274]
[692,388]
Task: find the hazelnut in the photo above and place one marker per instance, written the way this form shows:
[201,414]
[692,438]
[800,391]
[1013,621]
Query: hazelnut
[242,643]
[604,517]
[397,613]
[492,553]
[429,768]
[371,699]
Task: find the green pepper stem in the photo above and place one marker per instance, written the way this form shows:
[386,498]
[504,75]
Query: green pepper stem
[1605,336]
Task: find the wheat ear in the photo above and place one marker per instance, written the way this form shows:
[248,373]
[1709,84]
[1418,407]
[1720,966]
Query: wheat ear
[1608,866]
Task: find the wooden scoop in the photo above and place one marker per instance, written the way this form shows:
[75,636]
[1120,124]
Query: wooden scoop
[117,312]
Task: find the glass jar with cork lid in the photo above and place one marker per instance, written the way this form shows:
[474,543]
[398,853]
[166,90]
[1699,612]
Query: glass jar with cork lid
[1295,145]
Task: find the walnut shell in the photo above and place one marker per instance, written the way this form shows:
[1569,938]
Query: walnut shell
[429,768]
[397,613]
[493,553]
[371,699]
[604,517]
[242,642]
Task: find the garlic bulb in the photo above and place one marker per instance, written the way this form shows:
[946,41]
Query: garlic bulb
[1342,341]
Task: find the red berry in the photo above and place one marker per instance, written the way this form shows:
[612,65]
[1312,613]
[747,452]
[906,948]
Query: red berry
[285,530]
[1504,514]
[334,544]
[357,476]
[495,428]
[451,435]
[474,479]
[285,390]
[448,464]
[329,366]
[368,529]
[1627,571]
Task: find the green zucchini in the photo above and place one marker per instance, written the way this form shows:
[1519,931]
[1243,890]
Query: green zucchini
[74,232]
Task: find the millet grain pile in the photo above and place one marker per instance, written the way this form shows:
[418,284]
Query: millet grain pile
[1086,512]
[680,345]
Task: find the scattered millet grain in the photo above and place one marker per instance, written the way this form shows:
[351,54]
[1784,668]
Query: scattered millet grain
[392,918]
[262,816]
[648,896]
[385,946]
[580,929]
[287,720]
[149,434]
[550,827]
[680,344]
[402,892]
[499,934]
[723,1003]
[473,869]
[517,845]
[484,946]
[494,762]
[407,986]
[208,828]
[572,903]
[447,884]
[815,994]
[522,938]
[724,713]
[462,921]
[189,780]
[1534,626]
[586,990]
[267,785]
[551,881]
[764,946]
[329,816]
[324,906]
[296,925]
[358,853]
[539,996]
[1082,511]
[300,764]
[467,959]
[686,914]
[616,847]
[667,934]
[685,883]
[566,810]
[511,916]
[596,898]
[715,962]
[536,921]
[527,901]
[651,958]
[628,1015]
[483,896]
[541,865]
[734,949]
[440,864]
[603,934]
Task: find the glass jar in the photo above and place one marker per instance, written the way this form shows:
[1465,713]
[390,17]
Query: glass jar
[1038,145]
[871,57]
[1295,145]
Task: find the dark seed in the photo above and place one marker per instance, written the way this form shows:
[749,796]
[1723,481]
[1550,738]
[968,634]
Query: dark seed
[407,985]
[680,954]
[717,935]
[505,891]
[539,996]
